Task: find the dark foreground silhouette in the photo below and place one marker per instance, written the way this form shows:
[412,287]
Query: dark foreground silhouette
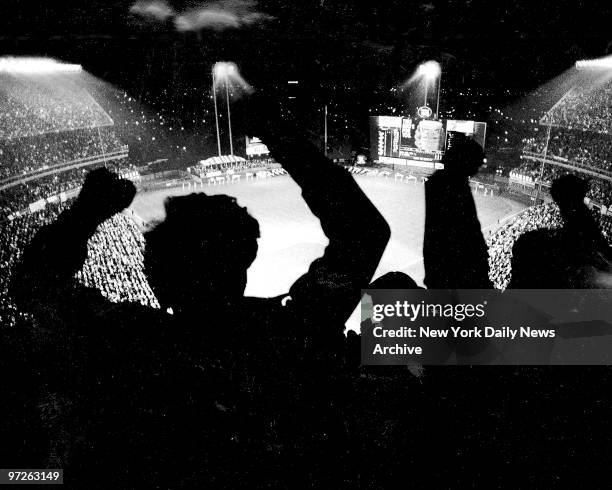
[454,250]
[250,392]
[228,391]
[571,257]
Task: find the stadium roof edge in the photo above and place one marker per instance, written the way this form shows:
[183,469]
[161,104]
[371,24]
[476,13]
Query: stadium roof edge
[603,63]
[33,65]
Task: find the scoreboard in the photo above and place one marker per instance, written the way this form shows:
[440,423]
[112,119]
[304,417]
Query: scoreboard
[255,147]
[418,141]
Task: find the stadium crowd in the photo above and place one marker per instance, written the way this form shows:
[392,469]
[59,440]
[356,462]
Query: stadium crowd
[26,155]
[582,147]
[605,222]
[500,242]
[17,197]
[528,171]
[543,216]
[113,266]
[115,263]
[33,107]
[14,236]
[584,110]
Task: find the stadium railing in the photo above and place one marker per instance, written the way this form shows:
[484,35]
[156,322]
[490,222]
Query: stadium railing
[118,154]
[570,164]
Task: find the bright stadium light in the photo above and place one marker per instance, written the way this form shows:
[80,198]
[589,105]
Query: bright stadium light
[430,70]
[220,70]
[224,69]
[27,65]
[604,63]
[228,73]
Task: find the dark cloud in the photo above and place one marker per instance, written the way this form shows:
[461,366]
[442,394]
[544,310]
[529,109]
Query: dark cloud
[218,15]
[156,10]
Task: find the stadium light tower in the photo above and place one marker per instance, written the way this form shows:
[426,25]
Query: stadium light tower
[224,71]
[430,71]
[214,91]
[231,71]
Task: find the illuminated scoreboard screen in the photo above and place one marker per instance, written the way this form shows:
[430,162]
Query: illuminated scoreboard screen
[255,147]
[416,141]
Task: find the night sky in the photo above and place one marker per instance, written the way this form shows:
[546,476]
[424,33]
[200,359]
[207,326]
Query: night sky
[347,54]
[521,41]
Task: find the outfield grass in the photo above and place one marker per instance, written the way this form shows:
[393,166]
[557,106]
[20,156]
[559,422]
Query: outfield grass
[291,235]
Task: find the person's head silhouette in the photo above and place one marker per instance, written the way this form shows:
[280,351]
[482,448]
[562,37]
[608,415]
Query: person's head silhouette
[568,192]
[464,157]
[201,251]
[394,280]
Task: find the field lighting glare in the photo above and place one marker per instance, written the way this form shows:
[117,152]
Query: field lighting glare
[10,64]
[604,63]
[430,70]
[223,69]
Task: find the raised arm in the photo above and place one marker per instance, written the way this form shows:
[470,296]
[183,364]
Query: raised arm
[357,232]
[59,250]
[454,250]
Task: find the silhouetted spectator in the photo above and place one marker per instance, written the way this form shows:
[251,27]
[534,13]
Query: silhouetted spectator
[570,257]
[228,390]
[394,280]
[454,250]
[502,240]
